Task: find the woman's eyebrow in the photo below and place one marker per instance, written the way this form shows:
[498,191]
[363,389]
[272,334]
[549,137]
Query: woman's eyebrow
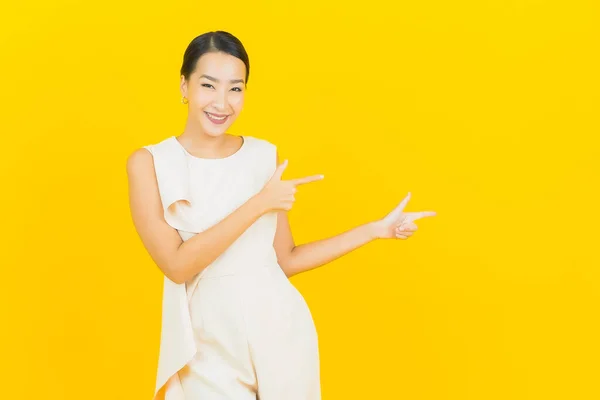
[216,80]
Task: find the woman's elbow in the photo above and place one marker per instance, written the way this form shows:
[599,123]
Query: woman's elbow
[179,271]
[173,276]
[174,272]
[286,267]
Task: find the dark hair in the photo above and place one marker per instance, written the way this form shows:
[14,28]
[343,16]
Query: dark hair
[215,41]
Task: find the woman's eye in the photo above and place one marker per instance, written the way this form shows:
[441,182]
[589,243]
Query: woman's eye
[209,85]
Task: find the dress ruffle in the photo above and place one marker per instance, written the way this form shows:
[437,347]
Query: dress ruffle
[177,346]
[173,176]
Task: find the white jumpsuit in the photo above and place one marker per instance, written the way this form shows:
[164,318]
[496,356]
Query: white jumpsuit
[239,330]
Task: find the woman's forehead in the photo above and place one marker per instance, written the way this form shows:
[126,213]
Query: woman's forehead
[220,66]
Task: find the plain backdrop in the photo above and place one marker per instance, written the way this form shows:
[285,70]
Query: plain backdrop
[487,111]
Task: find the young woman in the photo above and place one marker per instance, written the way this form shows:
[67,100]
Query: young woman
[211,209]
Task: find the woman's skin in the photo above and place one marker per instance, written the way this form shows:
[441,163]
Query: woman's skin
[181,260]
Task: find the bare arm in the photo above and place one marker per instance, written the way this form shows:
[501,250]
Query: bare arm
[311,255]
[297,259]
[179,260]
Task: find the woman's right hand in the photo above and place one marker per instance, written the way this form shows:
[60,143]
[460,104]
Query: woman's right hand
[278,194]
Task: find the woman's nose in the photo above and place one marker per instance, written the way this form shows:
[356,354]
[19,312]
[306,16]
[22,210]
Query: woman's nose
[220,101]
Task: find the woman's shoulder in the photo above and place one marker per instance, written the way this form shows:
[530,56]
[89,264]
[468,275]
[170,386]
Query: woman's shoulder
[164,142]
[260,142]
[148,151]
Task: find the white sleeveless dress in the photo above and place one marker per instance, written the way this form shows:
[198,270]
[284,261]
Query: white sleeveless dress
[239,330]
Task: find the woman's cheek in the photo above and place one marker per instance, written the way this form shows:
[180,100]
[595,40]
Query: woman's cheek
[203,99]
[237,102]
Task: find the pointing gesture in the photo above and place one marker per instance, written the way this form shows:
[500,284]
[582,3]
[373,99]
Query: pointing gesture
[278,194]
[399,224]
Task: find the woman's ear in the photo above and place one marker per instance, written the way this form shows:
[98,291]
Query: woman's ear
[183,86]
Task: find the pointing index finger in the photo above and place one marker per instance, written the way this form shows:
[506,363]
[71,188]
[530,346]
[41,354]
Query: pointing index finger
[307,179]
[413,216]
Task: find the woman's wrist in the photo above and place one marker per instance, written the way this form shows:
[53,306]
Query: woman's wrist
[374,229]
[257,205]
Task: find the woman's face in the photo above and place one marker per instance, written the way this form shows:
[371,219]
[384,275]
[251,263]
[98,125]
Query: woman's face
[215,91]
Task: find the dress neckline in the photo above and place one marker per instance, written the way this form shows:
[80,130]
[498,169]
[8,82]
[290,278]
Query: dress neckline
[237,153]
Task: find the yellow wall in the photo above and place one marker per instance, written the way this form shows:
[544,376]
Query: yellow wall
[486,111]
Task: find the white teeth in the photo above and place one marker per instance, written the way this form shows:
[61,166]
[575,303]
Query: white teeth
[217,118]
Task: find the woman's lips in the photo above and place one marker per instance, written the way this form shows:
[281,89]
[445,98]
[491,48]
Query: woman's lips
[215,119]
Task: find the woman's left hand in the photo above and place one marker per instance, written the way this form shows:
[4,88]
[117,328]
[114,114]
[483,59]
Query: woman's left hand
[399,224]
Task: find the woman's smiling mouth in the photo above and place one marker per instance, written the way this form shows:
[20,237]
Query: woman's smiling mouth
[215,118]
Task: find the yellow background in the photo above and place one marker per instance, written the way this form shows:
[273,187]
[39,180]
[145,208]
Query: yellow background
[487,111]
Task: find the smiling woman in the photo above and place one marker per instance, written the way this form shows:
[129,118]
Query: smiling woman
[233,326]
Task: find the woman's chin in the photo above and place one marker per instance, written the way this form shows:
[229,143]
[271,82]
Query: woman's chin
[215,129]
[212,131]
